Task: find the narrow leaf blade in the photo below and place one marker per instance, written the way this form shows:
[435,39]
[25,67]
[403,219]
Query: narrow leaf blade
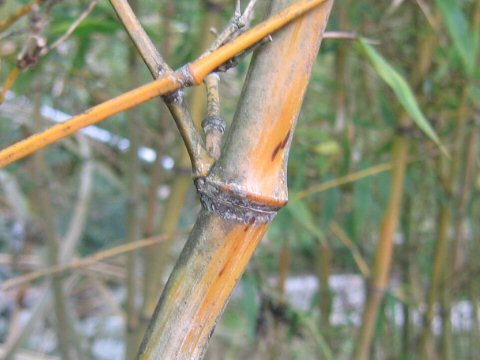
[401,89]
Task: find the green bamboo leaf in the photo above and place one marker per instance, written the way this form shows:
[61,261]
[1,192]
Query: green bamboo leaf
[457,26]
[401,89]
[87,27]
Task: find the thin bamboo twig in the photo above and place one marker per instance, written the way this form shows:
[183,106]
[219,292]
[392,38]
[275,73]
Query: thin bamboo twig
[350,245]
[352,177]
[358,175]
[191,74]
[175,100]
[213,125]
[71,28]
[145,47]
[87,261]
[154,256]
[237,23]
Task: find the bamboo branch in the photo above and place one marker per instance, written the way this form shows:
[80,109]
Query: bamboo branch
[174,100]
[350,245]
[349,178]
[191,74]
[145,47]
[213,125]
[87,261]
[71,28]
[237,23]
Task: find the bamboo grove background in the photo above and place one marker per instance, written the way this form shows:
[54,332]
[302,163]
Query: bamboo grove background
[374,257]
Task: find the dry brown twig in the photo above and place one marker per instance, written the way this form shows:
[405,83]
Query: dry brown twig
[71,28]
[87,261]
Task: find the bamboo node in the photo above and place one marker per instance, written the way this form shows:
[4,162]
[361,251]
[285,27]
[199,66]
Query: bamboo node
[233,203]
[213,122]
[186,78]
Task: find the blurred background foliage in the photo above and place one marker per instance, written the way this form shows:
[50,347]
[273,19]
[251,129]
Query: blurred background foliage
[303,293]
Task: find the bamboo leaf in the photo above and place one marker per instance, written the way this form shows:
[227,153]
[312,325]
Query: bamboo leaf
[457,26]
[87,27]
[401,89]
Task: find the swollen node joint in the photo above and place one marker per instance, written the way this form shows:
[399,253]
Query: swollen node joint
[174,97]
[213,122]
[233,203]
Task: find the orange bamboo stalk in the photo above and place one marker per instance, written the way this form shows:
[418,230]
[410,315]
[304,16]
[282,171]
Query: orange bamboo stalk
[240,195]
[191,74]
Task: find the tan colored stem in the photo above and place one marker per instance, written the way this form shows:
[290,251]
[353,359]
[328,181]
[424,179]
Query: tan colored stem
[133,216]
[158,258]
[384,251]
[349,178]
[140,39]
[87,261]
[218,249]
[350,245]
[213,125]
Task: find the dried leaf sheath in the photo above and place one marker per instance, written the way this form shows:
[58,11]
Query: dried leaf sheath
[241,194]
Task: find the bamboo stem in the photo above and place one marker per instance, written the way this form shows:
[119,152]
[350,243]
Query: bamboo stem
[225,236]
[87,261]
[213,125]
[384,251]
[133,216]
